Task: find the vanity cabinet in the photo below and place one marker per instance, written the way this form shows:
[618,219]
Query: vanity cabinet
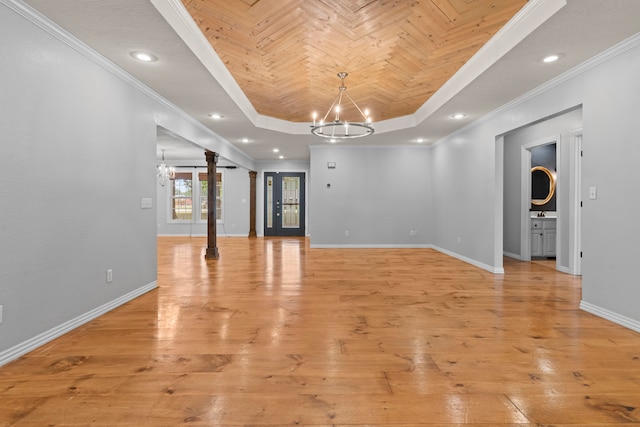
[543,237]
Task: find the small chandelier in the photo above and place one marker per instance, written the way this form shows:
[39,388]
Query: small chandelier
[341,129]
[165,173]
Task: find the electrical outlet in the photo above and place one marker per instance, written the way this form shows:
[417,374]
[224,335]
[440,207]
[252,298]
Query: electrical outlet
[346,233]
[459,239]
[1,315]
[109,275]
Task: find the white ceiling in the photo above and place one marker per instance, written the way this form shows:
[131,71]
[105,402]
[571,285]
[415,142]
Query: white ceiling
[506,69]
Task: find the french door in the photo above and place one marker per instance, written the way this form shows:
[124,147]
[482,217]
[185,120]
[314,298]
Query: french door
[284,202]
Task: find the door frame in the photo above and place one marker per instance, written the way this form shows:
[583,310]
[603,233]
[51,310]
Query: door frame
[262,201]
[575,197]
[525,200]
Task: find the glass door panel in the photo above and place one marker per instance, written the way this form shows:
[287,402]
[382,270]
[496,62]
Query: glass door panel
[284,204]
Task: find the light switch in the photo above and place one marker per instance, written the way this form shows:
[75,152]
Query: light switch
[593,194]
[146,203]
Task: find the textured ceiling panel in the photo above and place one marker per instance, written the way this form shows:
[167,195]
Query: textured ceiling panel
[285,54]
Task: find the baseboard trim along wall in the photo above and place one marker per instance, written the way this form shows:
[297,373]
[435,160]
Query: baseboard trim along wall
[512,255]
[473,262]
[372,246]
[616,318]
[53,333]
[489,268]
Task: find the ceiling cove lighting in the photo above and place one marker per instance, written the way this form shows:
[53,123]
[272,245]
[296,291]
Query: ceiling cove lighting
[144,56]
[165,173]
[340,128]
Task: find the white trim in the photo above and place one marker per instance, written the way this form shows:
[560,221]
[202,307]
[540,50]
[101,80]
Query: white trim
[53,333]
[525,195]
[498,213]
[203,235]
[527,20]
[370,246]
[489,268]
[183,235]
[85,50]
[616,318]
[525,203]
[575,211]
[475,263]
[512,255]
[599,59]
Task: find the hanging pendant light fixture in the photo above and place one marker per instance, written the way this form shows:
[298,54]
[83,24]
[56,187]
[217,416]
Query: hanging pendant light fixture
[339,128]
[165,173]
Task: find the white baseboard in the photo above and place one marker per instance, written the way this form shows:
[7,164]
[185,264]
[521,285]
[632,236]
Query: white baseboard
[489,268]
[616,318]
[53,333]
[201,235]
[512,255]
[366,246]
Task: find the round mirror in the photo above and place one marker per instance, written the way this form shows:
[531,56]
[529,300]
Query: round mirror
[543,185]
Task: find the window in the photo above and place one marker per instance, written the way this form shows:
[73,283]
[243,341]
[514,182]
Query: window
[189,202]
[182,197]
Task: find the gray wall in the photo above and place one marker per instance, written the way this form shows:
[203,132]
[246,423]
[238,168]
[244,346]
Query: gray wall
[469,165]
[78,155]
[561,125]
[611,151]
[377,194]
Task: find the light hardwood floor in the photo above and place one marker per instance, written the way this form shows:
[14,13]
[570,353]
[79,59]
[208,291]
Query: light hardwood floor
[277,333]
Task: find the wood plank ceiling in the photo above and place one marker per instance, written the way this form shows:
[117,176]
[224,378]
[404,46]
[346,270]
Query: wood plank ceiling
[285,54]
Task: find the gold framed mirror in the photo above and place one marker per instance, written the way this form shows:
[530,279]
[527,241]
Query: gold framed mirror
[540,176]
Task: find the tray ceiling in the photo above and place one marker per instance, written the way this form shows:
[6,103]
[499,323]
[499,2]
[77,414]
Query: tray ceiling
[285,54]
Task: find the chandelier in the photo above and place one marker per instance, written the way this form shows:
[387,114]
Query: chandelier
[339,128]
[165,173]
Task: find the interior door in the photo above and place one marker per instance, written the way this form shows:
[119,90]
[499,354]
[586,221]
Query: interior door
[284,203]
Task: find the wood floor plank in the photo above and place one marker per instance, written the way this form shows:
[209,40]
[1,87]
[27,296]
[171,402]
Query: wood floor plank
[276,333]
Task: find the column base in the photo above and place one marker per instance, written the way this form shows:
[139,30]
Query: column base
[212,253]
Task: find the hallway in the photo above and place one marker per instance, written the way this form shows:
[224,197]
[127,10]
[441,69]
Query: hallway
[277,333]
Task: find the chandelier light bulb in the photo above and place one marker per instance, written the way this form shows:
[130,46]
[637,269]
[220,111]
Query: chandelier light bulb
[341,129]
[165,173]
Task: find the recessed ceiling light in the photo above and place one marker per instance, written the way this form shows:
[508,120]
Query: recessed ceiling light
[245,140]
[216,116]
[420,140]
[276,150]
[144,56]
[281,157]
[333,141]
[458,116]
[551,58]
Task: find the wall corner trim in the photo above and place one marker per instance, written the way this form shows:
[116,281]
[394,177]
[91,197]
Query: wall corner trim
[55,332]
[611,316]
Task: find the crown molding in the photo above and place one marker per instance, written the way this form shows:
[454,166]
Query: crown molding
[53,29]
[622,47]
